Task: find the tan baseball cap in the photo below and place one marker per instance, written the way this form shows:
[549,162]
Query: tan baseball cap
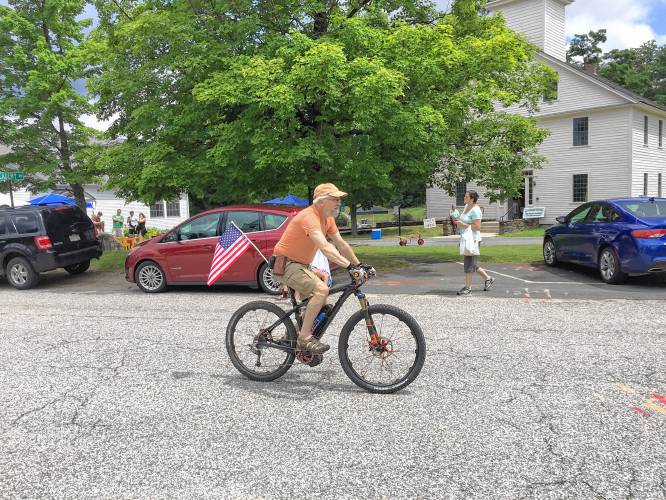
[328,189]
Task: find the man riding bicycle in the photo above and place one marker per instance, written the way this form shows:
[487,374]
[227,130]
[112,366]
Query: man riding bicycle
[307,233]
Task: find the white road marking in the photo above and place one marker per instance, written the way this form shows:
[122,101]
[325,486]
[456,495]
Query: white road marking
[537,282]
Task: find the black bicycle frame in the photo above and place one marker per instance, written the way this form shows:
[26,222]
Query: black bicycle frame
[347,291]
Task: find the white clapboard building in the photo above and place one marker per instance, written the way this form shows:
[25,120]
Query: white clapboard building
[604,142]
[161,215]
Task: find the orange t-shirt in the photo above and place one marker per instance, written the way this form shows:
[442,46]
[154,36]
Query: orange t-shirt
[295,243]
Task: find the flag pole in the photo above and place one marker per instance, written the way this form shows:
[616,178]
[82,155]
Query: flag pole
[251,242]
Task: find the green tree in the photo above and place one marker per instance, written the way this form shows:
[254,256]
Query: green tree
[586,46]
[247,99]
[641,70]
[40,59]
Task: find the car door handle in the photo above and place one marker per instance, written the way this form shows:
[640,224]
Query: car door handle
[209,247]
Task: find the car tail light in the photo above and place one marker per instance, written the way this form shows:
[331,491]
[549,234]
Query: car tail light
[43,242]
[649,233]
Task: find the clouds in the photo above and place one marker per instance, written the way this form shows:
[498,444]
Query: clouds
[629,23]
[92,122]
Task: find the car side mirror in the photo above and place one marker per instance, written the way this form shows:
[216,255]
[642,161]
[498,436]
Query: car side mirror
[561,219]
[171,237]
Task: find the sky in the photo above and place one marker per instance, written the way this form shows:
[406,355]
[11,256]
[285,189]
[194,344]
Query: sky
[629,23]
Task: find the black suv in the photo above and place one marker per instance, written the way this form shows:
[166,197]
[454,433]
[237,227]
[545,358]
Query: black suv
[35,239]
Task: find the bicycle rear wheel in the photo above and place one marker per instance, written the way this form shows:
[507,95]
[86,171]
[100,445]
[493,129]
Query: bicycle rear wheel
[248,342]
[395,364]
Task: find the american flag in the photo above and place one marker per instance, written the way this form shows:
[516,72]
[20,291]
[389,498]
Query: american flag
[231,245]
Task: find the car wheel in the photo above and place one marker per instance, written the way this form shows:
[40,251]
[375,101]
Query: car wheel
[79,268]
[609,267]
[267,282]
[20,274]
[150,277]
[549,253]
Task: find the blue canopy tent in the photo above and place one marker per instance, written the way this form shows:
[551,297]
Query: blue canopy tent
[56,199]
[290,199]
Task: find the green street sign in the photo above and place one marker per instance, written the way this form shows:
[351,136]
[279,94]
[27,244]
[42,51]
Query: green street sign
[12,176]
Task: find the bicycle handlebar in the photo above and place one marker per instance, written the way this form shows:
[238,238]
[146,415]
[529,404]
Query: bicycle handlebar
[362,273]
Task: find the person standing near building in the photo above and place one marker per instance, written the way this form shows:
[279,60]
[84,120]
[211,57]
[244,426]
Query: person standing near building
[132,224]
[98,223]
[118,221]
[141,228]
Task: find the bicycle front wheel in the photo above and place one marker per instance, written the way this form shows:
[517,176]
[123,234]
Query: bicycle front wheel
[250,345]
[395,364]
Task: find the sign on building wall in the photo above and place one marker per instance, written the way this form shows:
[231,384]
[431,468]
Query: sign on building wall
[534,212]
[429,223]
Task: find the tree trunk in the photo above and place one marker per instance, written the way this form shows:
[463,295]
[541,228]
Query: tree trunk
[65,158]
[352,212]
[79,195]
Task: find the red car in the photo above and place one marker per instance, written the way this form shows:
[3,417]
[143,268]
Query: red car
[183,255]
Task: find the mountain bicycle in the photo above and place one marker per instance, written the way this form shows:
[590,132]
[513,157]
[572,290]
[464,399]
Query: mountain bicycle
[374,342]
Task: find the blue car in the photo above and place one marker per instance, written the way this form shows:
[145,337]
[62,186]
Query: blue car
[620,237]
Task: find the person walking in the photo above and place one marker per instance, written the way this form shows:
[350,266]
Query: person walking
[470,220]
[118,221]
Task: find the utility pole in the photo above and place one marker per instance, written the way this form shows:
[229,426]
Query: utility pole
[11,194]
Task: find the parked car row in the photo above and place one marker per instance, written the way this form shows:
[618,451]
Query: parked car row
[36,239]
[619,237]
[183,255]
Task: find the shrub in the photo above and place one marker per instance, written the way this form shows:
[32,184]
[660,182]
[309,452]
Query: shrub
[404,217]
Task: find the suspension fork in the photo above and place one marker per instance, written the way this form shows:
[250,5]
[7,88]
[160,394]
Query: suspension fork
[369,323]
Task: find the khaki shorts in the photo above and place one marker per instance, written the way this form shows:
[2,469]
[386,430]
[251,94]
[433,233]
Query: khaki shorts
[300,278]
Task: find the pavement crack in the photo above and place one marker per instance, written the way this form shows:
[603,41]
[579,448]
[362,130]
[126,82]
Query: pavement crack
[121,365]
[40,408]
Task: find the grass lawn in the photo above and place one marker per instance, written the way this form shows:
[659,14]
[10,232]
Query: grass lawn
[416,213]
[390,258]
[407,232]
[110,262]
[536,232]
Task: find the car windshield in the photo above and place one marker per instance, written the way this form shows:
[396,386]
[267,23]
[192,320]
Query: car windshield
[645,209]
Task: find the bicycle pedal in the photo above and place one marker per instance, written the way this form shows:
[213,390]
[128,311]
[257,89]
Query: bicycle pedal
[303,356]
[316,360]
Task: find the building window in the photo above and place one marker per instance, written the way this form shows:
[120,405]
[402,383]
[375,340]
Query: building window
[661,132]
[659,185]
[173,208]
[461,189]
[580,188]
[645,130]
[645,184]
[157,210]
[580,131]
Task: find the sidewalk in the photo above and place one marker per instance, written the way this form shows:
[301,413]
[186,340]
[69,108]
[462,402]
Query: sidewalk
[489,239]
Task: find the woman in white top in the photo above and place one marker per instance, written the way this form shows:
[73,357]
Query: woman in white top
[471,218]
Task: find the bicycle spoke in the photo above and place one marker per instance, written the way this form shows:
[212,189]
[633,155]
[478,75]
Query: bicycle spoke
[377,366]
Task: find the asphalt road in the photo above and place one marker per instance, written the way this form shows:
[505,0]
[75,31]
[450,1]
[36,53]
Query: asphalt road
[519,281]
[128,395]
